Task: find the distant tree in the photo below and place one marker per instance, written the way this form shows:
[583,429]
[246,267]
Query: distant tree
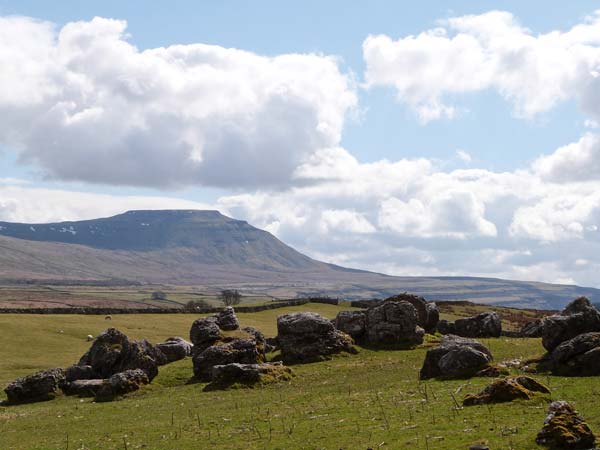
[194,305]
[159,295]
[230,297]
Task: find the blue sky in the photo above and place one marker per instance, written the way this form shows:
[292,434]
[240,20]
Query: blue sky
[485,173]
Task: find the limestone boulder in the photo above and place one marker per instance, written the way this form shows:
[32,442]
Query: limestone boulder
[579,356]
[352,323]
[175,348]
[579,317]
[564,428]
[394,325]
[484,325]
[507,390]
[40,386]
[427,312]
[225,376]
[455,357]
[227,351]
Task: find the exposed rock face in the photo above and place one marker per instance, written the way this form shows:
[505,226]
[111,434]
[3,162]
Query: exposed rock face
[112,352]
[446,327]
[393,324]
[564,428]
[204,333]
[533,329]
[352,322]
[579,356]
[84,388]
[507,390]
[175,348]
[456,357]
[248,374]
[227,320]
[487,324]
[308,336]
[120,384]
[577,318]
[39,386]
[233,350]
[427,312]
[75,372]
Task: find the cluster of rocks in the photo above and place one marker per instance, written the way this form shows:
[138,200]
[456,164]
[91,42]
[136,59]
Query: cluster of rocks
[484,325]
[456,357]
[397,322]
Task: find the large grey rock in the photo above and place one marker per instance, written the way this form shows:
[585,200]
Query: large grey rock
[227,320]
[120,384]
[175,348]
[486,324]
[533,329]
[579,356]
[84,388]
[232,350]
[112,352]
[564,428]
[393,324]
[76,372]
[446,327]
[456,357]
[40,386]
[427,312]
[248,374]
[308,336]
[577,318]
[352,322]
[204,333]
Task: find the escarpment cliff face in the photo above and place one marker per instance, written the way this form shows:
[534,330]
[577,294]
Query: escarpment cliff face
[190,247]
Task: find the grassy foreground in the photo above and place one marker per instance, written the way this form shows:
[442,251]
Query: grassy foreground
[370,400]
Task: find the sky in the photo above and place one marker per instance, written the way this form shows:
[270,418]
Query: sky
[447,138]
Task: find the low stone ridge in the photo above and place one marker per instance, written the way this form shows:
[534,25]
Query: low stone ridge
[112,352]
[579,317]
[307,337]
[564,428]
[40,386]
[175,348]
[456,357]
[507,390]
[579,356]
[226,376]
[428,313]
[484,325]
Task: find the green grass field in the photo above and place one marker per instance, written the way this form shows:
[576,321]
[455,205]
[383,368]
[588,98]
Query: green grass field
[370,400]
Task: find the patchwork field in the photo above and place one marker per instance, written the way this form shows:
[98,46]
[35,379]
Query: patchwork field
[369,400]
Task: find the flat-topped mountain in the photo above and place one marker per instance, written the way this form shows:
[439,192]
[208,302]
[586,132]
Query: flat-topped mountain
[206,248]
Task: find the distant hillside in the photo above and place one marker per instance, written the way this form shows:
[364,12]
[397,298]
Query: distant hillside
[205,248]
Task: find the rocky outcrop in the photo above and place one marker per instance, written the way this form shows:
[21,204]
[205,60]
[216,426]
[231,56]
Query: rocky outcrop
[393,325]
[533,329]
[175,348]
[577,318]
[204,333]
[227,351]
[564,428]
[455,357]
[227,320]
[484,325]
[446,327]
[40,386]
[507,390]
[428,314]
[579,356]
[353,323]
[112,352]
[226,376]
[120,384]
[307,336]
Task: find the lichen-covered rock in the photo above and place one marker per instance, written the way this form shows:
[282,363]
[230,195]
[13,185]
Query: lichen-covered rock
[120,384]
[204,333]
[76,372]
[564,428]
[507,390]
[352,323]
[175,348]
[227,320]
[577,318]
[579,356]
[230,350]
[112,352]
[40,386]
[456,357]
[486,324]
[307,336]
[228,375]
[393,324]
[427,312]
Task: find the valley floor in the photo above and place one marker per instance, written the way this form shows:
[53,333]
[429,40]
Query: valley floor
[369,400]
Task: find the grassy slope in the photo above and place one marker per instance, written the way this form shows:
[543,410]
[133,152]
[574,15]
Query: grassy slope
[369,400]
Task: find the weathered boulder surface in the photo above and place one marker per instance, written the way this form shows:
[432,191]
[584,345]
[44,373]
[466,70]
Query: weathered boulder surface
[204,333]
[225,376]
[486,324]
[227,320]
[579,317]
[175,348]
[393,324]
[352,323]
[456,357]
[579,356]
[227,351]
[446,327]
[84,388]
[112,352]
[307,336]
[36,387]
[533,329]
[120,384]
[76,372]
[564,428]
[507,390]
[428,313]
